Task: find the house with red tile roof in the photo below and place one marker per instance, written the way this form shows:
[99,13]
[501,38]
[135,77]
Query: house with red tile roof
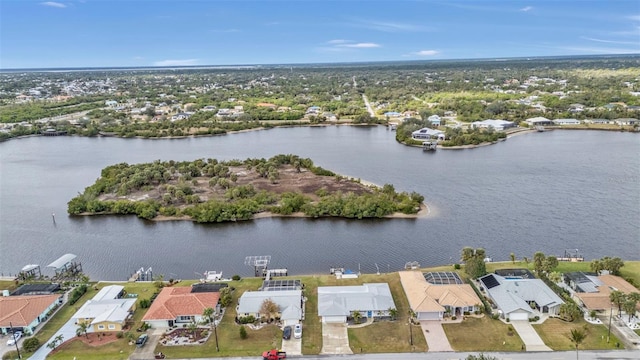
[180,305]
[26,312]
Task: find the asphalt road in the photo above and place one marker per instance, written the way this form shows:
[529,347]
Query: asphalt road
[556,355]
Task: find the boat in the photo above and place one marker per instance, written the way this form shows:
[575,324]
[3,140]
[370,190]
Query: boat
[393,127]
[429,146]
[212,276]
[540,128]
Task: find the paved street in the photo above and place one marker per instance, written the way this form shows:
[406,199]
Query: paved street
[556,355]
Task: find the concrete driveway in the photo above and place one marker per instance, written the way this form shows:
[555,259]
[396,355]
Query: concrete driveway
[147,351]
[335,339]
[68,331]
[292,346]
[529,336]
[433,332]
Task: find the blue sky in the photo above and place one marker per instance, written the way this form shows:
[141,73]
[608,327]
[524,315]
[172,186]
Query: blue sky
[95,33]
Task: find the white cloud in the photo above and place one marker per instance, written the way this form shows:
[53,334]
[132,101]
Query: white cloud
[634,17]
[360,45]
[338,41]
[427,52]
[527,8]
[53,4]
[184,62]
[611,41]
[138,58]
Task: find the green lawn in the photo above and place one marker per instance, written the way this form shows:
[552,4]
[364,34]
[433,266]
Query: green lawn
[555,333]
[115,350]
[482,334]
[229,340]
[386,336]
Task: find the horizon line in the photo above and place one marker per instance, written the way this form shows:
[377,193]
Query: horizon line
[299,64]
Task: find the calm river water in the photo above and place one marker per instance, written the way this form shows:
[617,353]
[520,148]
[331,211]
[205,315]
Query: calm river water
[545,192]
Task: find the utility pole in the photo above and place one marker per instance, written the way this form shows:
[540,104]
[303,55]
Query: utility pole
[215,331]
[610,315]
[16,341]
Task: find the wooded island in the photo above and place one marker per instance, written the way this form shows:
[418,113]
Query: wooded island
[208,190]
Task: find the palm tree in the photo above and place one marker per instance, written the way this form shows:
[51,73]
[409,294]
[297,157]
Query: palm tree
[577,337]
[513,258]
[356,316]
[618,298]
[629,306]
[393,312]
[83,328]
[208,315]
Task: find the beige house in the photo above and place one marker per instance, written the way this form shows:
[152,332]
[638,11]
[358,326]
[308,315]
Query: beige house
[430,301]
[593,292]
[107,311]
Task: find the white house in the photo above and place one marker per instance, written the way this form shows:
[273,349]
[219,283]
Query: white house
[435,120]
[538,121]
[290,304]
[428,133]
[516,298]
[566,122]
[498,125]
[107,311]
[336,303]
[626,121]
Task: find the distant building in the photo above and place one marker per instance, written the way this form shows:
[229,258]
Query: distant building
[566,122]
[435,120]
[427,133]
[539,121]
[498,125]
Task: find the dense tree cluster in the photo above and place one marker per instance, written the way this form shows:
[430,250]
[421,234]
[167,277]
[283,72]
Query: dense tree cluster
[176,181]
[473,259]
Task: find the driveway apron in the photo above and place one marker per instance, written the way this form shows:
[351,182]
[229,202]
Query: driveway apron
[437,340]
[529,336]
[335,339]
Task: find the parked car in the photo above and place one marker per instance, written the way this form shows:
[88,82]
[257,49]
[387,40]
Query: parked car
[297,331]
[13,340]
[142,339]
[286,333]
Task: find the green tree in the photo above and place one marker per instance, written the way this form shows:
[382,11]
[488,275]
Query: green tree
[577,337]
[83,328]
[596,266]
[356,316]
[550,264]
[513,258]
[474,266]
[393,312]
[31,344]
[243,332]
[629,306]
[538,262]
[618,298]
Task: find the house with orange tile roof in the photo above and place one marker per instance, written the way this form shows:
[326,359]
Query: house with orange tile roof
[24,313]
[445,294]
[180,305]
[593,291]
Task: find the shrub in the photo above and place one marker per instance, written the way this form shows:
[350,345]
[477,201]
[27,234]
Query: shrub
[31,344]
[77,293]
[235,278]
[145,303]
[119,335]
[10,355]
[456,266]
[454,317]
[243,332]
[247,319]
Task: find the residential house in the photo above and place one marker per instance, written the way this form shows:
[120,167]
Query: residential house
[337,303]
[181,116]
[107,310]
[208,108]
[518,298]
[566,122]
[497,125]
[428,133]
[598,121]
[435,120]
[392,114]
[626,121]
[430,300]
[593,291]
[290,305]
[25,312]
[180,305]
[538,121]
